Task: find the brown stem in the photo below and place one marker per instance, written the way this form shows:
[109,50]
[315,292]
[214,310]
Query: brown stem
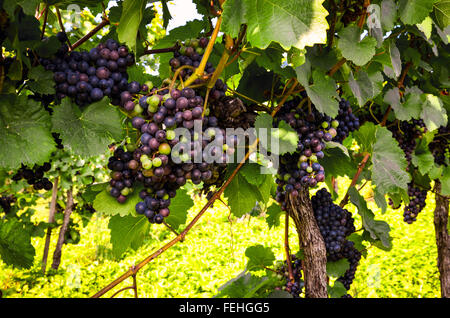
[45,22]
[61,25]
[90,34]
[170,228]
[361,166]
[164,50]
[333,24]
[51,220]
[441,214]
[312,244]
[286,248]
[180,237]
[337,66]
[385,117]
[362,18]
[403,75]
[275,111]
[63,230]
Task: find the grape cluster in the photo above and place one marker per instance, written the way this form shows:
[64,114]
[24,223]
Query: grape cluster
[35,176]
[348,122]
[87,77]
[294,288]
[314,129]
[440,146]
[406,134]
[335,224]
[6,201]
[416,203]
[123,167]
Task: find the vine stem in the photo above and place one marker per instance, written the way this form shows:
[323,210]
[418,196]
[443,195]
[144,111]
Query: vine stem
[285,98]
[132,271]
[61,25]
[361,166]
[51,220]
[45,22]
[201,68]
[362,18]
[337,66]
[90,33]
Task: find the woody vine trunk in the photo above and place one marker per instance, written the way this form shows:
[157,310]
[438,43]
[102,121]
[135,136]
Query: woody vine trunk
[311,241]
[441,213]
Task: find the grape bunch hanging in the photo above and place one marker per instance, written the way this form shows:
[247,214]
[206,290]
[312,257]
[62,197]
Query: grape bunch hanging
[161,161]
[335,225]
[87,77]
[302,168]
[295,288]
[35,176]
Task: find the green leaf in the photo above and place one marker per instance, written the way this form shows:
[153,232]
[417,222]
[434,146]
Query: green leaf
[388,14]
[243,286]
[338,268]
[413,12]
[337,163]
[259,257]
[379,230]
[389,163]
[255,82]
[273,214]
[358,51]
[441,13]
[106,204]
[422,158]
[433,113]
[287,139]
[364,87]
[292,23]
[89,132]
[42,81]
[338,290]
[179,207]
[132,14]
[91,192]
[323,93]
[28,6]
[252,173]
[241,195]
[411,107]
[445,181]
[426,26]
[15,244]
[25,135]
[365,136]
[127,232]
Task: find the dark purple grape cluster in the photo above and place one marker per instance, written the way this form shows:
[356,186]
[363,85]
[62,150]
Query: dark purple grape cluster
[440,146]
[348,122]
[295,288]
[417,198]
[406,134]
[87,77]
[124,170]
[353,256]
[302,168]
[6,201]
[35,176]
[335,224]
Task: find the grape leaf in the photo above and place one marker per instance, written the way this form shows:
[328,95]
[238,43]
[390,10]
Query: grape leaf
[132,14]
[273,214]
[127,231]
[389,163]
[413,12]
[358,51]
[41,81]
[388,14]
[89,132]
[179,207]
[323,93]
[15,244]
[287,139]
[106,204]
[292,23]
[338,290]
[441,13]
[365,136]
[379,230]
[252,173]
[24,132]
[422,158]
[241,195]
[364,87]
[259,257]
[433,114]
[338,268]
[243,286]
